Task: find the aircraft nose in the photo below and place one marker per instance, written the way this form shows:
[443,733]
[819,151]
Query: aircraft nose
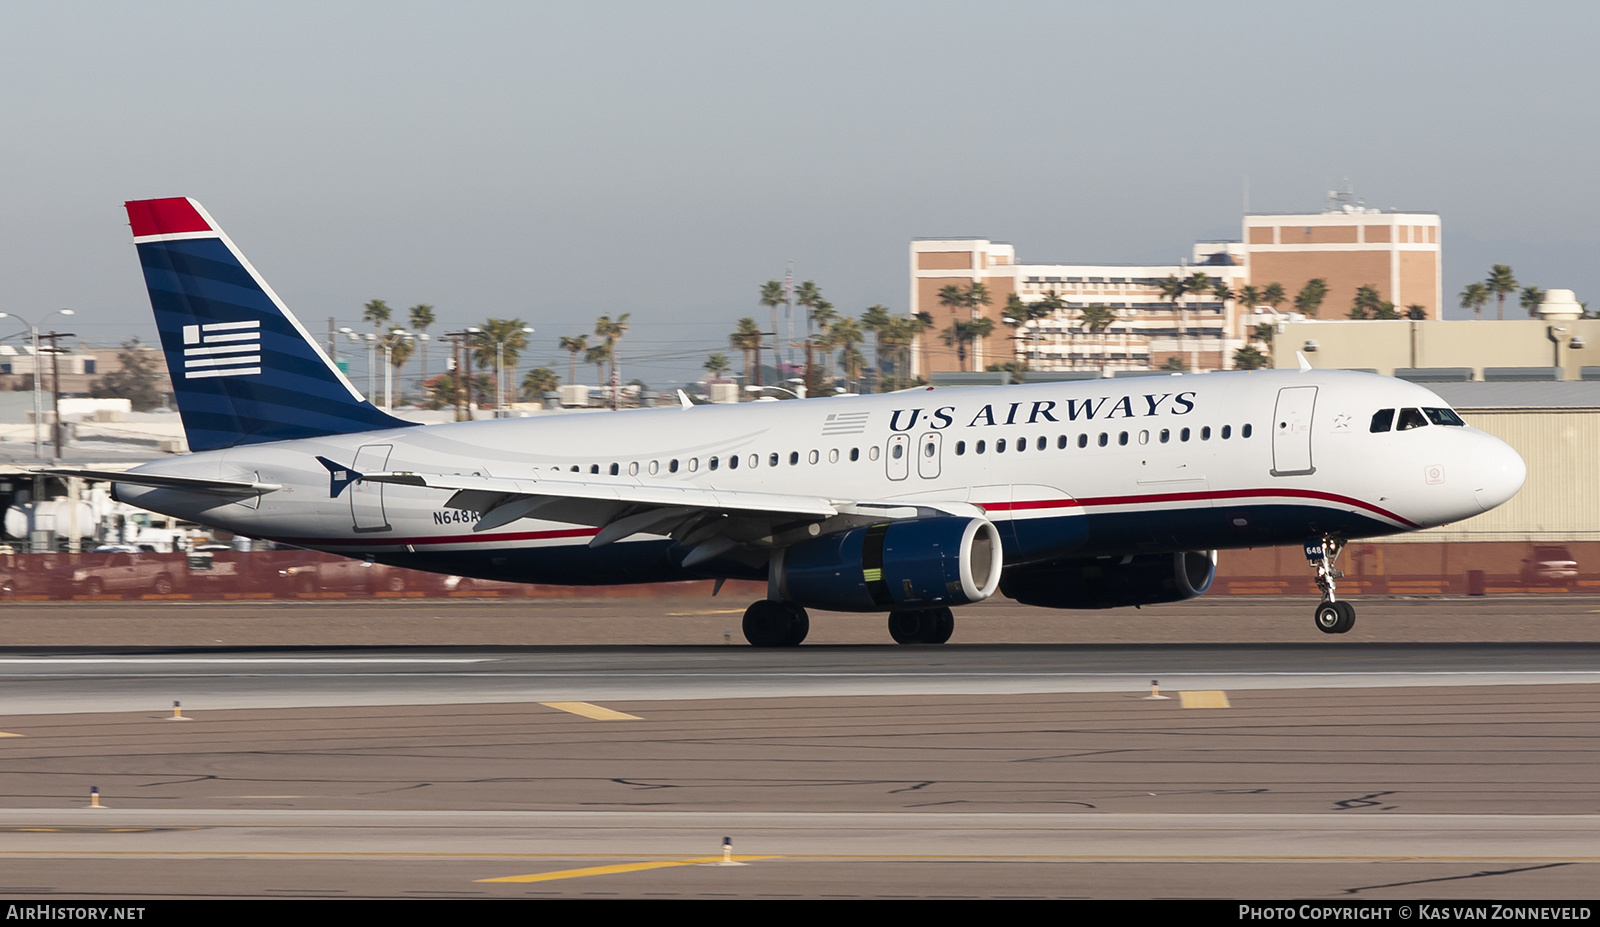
[1497,472]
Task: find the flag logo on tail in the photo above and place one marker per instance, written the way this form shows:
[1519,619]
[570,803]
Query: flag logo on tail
[221,349]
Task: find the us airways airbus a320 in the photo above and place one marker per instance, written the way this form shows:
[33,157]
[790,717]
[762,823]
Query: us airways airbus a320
[1091,494]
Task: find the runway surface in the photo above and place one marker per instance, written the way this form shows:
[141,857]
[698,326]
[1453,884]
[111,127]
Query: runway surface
[1319,769]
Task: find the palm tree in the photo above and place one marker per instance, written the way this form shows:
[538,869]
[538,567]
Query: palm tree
[1172,290]
[1249,297]
[400,347]
[610,331]
[1532,296]
[538,381]
[1367,303]
[1249,357]
[1474,297]
[598,355]
[772,296]
[377,312]
[1096,319]
[963,333]
[1416,311]
[1500,283]
[574,345]
[846,334]
[747,338]
[716,365]
[500,343]
[1310,297]
[421,316]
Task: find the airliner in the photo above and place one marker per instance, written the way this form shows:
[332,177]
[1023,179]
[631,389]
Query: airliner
[1079,495]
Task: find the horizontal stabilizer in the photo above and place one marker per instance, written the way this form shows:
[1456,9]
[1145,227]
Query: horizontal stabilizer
[156,481]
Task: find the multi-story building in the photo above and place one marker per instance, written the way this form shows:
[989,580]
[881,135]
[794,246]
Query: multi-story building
[1347,246]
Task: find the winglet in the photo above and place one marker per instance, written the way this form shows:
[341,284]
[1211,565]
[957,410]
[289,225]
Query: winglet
[683,400]
[1304,364]
[339,476]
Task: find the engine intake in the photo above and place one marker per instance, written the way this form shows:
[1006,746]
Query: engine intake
[1113,582]
[917,563]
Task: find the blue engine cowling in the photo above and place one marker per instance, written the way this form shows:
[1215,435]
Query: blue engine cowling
[1112,582]
[917,563]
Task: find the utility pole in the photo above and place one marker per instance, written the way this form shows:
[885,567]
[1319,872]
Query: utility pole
[55,382]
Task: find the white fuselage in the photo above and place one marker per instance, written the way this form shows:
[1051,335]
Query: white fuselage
[1065,469]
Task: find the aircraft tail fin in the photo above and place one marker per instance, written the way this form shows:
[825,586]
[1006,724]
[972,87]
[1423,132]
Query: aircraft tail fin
[244,370]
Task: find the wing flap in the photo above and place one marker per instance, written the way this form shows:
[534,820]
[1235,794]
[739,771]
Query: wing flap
[482,493]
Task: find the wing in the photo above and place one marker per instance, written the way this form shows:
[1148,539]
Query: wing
[711,522]
[185,483]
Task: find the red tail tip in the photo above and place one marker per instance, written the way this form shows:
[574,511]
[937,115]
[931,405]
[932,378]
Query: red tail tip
[165,217]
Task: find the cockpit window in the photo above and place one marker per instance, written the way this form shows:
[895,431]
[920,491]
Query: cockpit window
[1382,420]
[1444,417]
[1409,419]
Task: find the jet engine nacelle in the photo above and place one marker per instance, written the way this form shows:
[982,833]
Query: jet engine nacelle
[917,563]
[1113,582]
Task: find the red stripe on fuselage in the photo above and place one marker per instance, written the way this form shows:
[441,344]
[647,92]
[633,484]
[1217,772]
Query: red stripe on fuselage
[1192,497]
[164,217]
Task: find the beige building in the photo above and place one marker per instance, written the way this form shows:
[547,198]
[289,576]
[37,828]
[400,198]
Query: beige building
[1347,245]
[1396,253]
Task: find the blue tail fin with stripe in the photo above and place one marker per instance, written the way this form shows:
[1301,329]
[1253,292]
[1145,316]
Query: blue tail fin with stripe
[244,370]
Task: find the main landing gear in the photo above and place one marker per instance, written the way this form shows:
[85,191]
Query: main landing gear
[922,626]
[1332,616]
[769,623]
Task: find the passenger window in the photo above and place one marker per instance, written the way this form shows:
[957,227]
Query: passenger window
[615,469]
[1043,443]
[1122,438]
[594,468]
[855,454]
[1022,445]
[1061,443]
[872,452]
[1083,440]
[979,448]
[1183,435]
[1144,437]
[833,455]
[1205,433]
[1244,432]
[1000,446]
[633,468]
[961,448]
[1104,439]
[1409,419]
[772,461]
[1227,432]
[794,458]
[1382,420]
[733,461]
[713,464]
[813,457]
[672,467]
[1166,435]
[655,467]
[755,460]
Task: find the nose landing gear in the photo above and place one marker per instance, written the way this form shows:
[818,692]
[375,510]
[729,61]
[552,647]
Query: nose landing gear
[1332,616]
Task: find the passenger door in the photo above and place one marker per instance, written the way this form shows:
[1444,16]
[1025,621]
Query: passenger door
[1291,431]
[929,448]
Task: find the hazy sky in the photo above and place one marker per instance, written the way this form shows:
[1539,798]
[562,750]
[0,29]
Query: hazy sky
[557,162]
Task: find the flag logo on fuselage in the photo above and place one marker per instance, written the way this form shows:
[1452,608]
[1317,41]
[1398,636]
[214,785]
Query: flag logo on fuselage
[221,349]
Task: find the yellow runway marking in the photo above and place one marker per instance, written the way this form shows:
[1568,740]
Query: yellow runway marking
[591,711]
[622,867]
[1205,699]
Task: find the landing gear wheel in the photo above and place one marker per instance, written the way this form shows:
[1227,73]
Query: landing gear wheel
[922,626]
[1347,614]
[162,585]
[775,624]
[1335,617]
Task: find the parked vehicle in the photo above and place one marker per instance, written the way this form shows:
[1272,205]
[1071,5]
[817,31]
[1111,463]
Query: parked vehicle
[1549,565]
[125,572]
